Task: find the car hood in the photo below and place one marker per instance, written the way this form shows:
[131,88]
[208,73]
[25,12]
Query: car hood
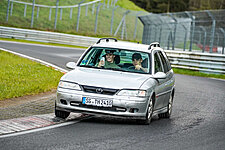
[106,78]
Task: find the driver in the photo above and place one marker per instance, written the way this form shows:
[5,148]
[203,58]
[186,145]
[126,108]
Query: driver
[110,62]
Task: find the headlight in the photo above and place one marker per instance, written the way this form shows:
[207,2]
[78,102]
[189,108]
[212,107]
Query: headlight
[138,93]
[68,85]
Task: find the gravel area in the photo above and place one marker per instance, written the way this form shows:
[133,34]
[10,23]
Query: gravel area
[27,106]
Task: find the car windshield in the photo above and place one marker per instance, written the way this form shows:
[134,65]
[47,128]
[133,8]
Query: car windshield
[117,60]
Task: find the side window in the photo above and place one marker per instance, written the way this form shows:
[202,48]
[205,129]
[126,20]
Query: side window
[167,61]
[158,66]
[90,58]
[165,66]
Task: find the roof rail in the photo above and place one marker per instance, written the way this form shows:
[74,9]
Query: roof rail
[153,44]
[106,39]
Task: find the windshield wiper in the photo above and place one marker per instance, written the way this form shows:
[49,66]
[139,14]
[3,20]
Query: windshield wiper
[116,69]
[89,66]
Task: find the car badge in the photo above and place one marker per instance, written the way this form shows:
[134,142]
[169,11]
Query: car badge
[99,90]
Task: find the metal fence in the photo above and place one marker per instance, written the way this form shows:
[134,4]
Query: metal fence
[201,31]
[97,17]
[210,63]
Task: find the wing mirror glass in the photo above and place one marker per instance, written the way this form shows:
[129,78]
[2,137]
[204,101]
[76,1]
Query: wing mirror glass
[71,65]
[159,75]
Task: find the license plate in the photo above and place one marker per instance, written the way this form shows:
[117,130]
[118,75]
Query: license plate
[97,102]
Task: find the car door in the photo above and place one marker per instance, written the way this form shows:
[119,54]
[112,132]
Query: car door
[161,83]
[169,81]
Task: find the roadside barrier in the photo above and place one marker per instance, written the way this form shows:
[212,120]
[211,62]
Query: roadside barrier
[205,62]
[45,36]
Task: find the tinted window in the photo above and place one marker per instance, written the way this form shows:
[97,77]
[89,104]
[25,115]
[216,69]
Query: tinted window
[158,66]
[165,66]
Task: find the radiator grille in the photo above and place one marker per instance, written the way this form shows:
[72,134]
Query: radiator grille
[99,90]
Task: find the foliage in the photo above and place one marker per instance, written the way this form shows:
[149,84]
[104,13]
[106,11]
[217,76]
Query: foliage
[128,5]
[162,6]
[20,76]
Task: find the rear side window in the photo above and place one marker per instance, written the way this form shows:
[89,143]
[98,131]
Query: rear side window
[165,65]
[167,61]
[158,66]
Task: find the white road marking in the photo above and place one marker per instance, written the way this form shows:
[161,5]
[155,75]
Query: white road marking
[20,126]
[40,129]
[40,45]
[37,60]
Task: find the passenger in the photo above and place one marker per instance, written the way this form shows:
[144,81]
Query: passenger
[136,61]
[110,60]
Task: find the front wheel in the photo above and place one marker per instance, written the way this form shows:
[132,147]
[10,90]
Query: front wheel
[61,114]
[148,116]
[169,109]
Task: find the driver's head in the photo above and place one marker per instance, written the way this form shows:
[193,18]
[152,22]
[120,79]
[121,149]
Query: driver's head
[110,55]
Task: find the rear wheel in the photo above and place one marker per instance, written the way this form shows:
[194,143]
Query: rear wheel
[169,109]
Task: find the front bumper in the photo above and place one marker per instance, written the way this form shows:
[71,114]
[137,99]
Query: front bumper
[123,106]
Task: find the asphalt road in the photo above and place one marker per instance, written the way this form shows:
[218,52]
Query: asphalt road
[197,121]
[56,55]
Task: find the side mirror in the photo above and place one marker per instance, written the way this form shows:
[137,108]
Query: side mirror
[71,65]
[159,75]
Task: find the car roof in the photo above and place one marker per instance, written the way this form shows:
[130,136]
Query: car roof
[126,45]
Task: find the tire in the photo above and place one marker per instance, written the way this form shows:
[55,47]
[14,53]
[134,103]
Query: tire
[61,114]
[169,109]
[148,116]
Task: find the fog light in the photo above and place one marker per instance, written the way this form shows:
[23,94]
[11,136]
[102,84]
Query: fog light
[63,101]
[134,110]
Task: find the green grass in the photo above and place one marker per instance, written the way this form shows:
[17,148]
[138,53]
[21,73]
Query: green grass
[187,46]
[67,25]
[197,73]
[20,76]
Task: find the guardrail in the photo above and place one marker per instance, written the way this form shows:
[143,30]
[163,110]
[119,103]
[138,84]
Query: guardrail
[45,36]
[210,63]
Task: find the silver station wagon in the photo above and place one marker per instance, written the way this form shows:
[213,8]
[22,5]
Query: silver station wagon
[118,79]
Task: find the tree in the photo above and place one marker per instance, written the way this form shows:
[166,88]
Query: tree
[162,6]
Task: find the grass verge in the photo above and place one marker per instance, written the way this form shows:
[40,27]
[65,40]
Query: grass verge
[20,76]
[197,73]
